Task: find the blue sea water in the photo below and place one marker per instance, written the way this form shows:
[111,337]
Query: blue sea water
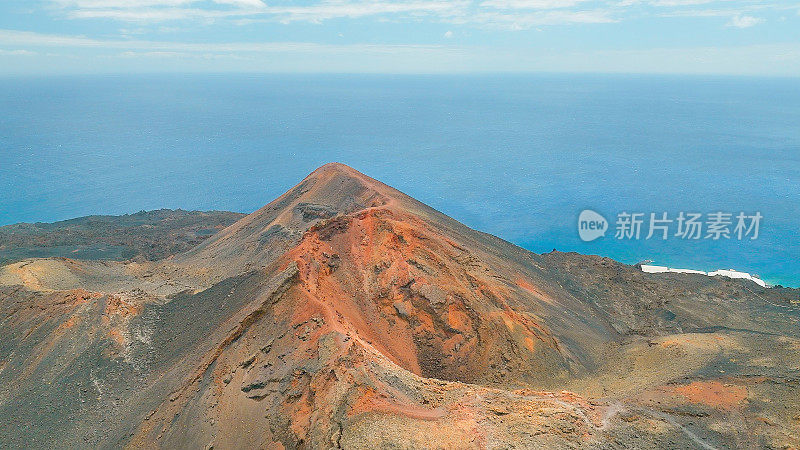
[518,156]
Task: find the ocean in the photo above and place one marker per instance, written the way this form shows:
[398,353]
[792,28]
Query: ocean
[517,156]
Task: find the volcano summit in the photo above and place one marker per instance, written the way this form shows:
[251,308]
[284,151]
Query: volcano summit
[346,314]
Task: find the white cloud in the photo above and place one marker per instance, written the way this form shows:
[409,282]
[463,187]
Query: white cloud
[132,54]
[701,13]
[70,54]
[135,4]
[680,2]
[498,14]
[166,10]
[530,4]
[156,15]
[338,9]
[528,20]
[30,39]
[448,35]
[744,21]
[242,3]
[158,10]
[509,14]
[16,52]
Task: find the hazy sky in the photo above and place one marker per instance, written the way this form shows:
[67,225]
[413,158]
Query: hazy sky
[418,36]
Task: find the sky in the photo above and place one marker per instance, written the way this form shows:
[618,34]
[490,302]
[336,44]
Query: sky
[731,37]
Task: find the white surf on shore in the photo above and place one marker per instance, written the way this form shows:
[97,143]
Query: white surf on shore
[730,273]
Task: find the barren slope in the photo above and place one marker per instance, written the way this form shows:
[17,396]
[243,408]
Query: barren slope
[346,314]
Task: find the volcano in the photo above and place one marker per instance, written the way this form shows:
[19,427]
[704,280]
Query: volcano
[346,314]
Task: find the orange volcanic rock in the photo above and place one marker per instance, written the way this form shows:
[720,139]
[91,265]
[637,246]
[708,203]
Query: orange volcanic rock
[346,314]
[714,393]
[378,294]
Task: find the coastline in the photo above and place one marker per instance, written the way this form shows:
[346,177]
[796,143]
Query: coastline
[728,273]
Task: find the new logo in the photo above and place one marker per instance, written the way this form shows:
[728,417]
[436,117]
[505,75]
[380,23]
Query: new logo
[591,225]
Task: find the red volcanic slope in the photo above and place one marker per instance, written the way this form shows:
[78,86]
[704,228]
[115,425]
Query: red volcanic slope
[346,314]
